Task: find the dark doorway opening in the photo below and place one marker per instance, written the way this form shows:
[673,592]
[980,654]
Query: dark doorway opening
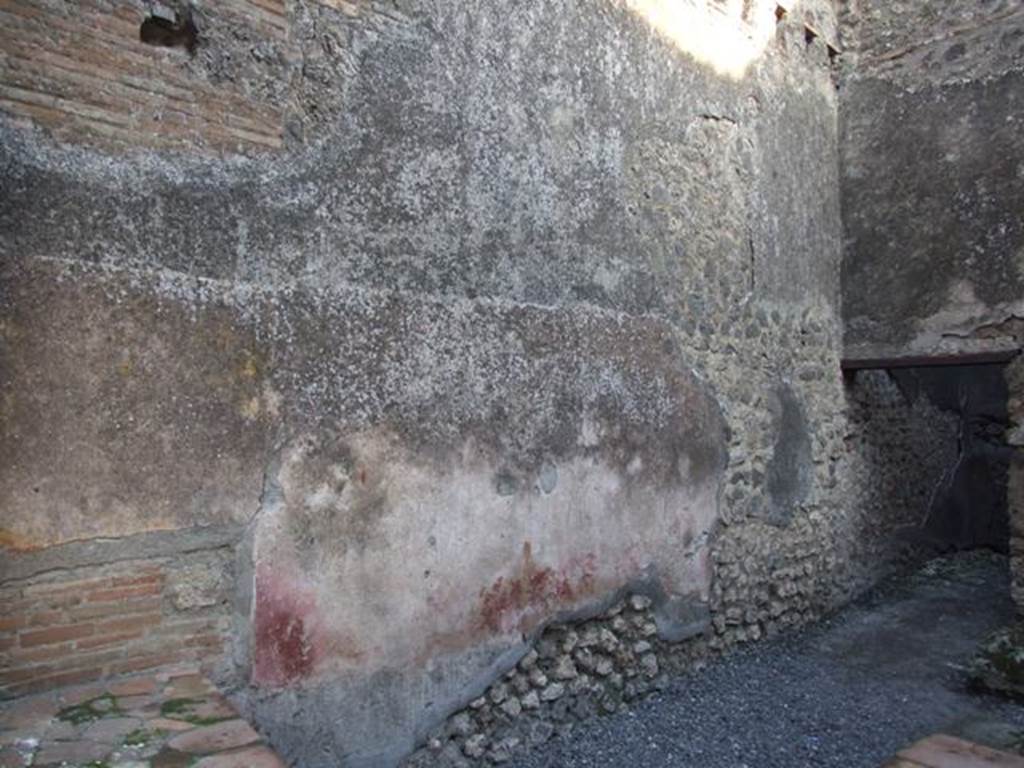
[967,507]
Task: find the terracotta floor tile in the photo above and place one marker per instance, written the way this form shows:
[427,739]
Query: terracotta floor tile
[139,705]
[74,752]
[11,758]
[250,757]
[170,758]
[215,738]
[214,707]
[131,708]
[28,712]
[188,686]
[168,724]
[942,751]
[135,686]
[111,730]
[71,697]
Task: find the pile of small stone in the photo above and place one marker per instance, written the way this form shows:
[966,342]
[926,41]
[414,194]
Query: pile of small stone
[573,672]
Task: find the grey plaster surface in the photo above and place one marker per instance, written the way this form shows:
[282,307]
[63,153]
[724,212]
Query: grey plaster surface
[932,189]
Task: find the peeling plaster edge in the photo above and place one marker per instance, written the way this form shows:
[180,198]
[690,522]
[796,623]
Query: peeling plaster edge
[244,596]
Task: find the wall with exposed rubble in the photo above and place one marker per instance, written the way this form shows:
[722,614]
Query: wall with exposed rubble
[932,156]
[768,579]
[397,339]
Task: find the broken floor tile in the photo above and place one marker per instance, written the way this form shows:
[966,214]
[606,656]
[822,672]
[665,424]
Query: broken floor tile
[249,757]
[136,729]
[215,738]
[74,752]
[942,751]
[111,731]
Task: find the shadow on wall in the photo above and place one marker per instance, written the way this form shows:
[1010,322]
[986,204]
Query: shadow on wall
[931,441]
[968,507]
[788,478]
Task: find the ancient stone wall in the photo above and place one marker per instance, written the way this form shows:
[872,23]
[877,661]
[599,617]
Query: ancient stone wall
[881,483]
[527,311]
[932,189]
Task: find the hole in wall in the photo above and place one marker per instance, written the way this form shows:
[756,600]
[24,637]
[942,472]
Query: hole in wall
[810,34]
[780,13]
[833,53]
[169,28]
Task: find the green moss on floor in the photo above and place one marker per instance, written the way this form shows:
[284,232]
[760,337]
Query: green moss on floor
[999,664]
[195,720]
[184,709]
[173,707]
[140,737]
[93,709]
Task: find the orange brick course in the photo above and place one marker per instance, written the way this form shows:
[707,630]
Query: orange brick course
[56,633]
[87,76]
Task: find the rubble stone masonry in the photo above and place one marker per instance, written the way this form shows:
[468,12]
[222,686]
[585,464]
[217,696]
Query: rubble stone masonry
[433,374]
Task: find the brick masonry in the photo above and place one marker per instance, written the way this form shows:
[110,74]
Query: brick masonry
[82,72]
[73,626]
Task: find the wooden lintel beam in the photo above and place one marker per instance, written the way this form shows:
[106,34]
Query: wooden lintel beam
[995,357]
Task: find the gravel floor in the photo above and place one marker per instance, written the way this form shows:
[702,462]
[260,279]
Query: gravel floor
[850,692]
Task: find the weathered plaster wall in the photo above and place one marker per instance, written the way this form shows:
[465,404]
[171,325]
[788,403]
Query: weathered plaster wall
[932,153]
[871,510]
[533,307]
[933,188]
